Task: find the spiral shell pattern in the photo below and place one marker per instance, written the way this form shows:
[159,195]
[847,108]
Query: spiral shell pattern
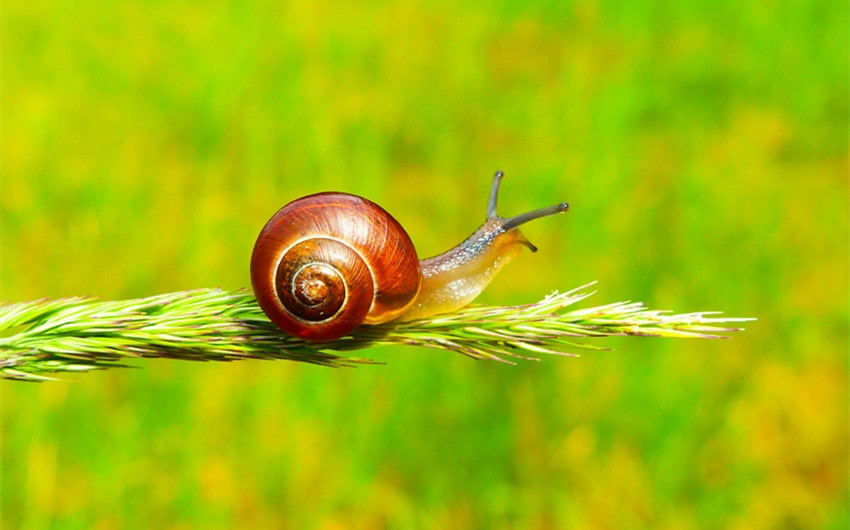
[326,263]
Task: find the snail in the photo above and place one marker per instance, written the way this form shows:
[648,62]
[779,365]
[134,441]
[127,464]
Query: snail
[327,263]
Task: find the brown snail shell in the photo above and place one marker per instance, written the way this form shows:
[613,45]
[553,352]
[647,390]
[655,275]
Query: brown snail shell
[326,263]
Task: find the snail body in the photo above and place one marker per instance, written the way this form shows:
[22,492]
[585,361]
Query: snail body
[327,263]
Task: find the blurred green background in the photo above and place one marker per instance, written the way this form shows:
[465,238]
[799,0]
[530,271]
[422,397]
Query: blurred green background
[702,146]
